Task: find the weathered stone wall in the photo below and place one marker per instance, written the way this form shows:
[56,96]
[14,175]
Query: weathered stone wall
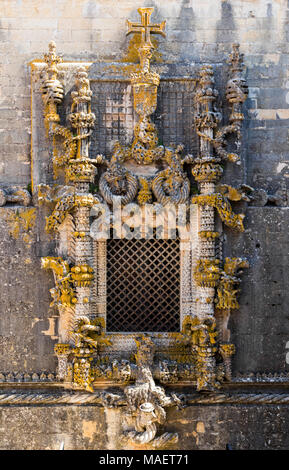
[91,428]
[197,32]
[26,331]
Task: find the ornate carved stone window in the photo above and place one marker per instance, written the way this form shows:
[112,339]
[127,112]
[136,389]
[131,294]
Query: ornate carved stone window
[110,291]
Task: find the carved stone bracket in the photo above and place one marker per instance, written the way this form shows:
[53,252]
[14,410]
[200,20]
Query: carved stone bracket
[18,196]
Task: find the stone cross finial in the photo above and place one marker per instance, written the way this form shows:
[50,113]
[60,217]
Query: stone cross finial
[145,28]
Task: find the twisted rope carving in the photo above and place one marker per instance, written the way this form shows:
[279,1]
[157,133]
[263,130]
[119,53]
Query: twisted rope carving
[240,398]
[112,400]
[143,437]
[98,398]
[223,207]
[69,145]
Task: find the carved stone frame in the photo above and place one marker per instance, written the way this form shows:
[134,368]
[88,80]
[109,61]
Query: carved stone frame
[188,290]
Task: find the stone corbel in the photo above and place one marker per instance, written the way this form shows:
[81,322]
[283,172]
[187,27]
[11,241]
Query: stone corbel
[280,198]
[17,196]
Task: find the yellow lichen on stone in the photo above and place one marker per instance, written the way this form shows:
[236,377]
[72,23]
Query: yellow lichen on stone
[126,70]
[89,429]
[21,221]
[132,54]
[200,427]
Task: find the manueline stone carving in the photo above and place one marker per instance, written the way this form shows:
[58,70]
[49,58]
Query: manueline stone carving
[204,357]
[227,291]
[201,335]
[62,293]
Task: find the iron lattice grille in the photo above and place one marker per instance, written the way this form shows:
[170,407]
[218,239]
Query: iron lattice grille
[143,285]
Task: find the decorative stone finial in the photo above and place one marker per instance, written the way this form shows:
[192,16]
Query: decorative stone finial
[145,29]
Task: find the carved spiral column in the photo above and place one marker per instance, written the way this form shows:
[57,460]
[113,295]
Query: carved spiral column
[206,171]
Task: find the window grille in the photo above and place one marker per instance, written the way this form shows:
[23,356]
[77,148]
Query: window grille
[143,285]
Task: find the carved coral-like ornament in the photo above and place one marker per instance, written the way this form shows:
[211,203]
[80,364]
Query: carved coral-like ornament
[82,276]
[207,272]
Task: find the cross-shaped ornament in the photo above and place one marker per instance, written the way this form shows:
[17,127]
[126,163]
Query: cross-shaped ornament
[145,28]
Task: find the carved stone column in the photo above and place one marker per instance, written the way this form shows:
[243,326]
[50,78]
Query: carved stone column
[206,171]
[80,172]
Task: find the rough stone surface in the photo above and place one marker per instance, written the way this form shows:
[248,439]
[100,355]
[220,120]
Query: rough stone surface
[260,328]
[26,331]
[91,427]
[46,428]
